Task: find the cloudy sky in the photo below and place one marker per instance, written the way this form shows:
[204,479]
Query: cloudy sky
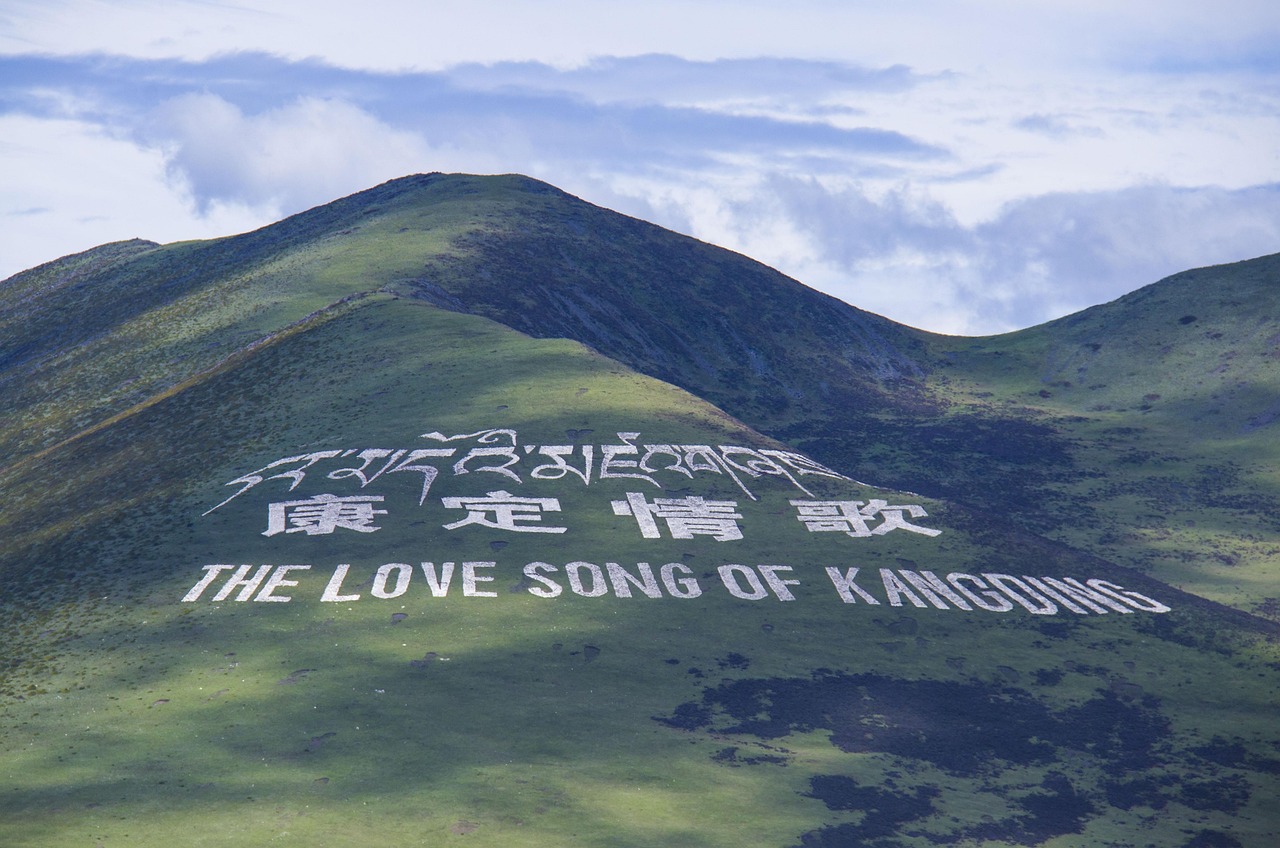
[964,167]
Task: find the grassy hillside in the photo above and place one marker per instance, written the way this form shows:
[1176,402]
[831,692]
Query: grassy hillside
[1160,416]
[725,693]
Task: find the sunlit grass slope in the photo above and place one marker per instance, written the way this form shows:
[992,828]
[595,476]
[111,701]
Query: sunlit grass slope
[491,713]
[1155,439]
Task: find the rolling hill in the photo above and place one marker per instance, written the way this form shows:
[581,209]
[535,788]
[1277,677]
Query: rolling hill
[461,509]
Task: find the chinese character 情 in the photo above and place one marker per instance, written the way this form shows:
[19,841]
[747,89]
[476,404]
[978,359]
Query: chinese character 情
[685,517]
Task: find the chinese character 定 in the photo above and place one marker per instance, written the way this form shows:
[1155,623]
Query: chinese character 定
[504,511]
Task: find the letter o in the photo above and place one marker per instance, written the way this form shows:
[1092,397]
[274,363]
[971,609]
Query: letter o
[403,575]
[598,584]
[729,575]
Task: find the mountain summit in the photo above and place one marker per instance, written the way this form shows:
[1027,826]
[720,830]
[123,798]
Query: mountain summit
[462,508]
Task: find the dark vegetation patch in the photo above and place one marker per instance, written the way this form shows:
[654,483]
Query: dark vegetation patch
[1056,809]
[975,730]
[884,811]
[1213,839]
[1047,676]
[733,660]
[1223,794]
[1126,735]
[1233,754]
[961,727]
[1151,790]
[730,757]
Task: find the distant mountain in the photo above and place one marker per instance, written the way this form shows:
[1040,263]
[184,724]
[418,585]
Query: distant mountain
[461,508]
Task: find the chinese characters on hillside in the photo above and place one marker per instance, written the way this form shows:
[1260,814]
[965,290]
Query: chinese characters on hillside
[683,518]
[353,472]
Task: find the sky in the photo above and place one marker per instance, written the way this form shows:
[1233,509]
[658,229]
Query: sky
[967,167]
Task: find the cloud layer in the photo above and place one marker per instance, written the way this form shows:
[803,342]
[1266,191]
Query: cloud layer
[959,200]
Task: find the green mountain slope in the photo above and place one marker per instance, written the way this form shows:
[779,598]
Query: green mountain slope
[1164,405]
[299,543]
[1110,430]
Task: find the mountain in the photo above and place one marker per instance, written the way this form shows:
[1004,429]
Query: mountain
[461,509]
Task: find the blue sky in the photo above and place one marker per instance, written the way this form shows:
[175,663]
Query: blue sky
[965,167]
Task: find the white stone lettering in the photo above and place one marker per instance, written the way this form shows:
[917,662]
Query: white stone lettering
[683,587]
[594,587]
[279,579]
[1026,597]
[896,590]
[990,592]
[893,518]
[933,589]
[428,472]
[850,517]
[499,451]
[244,582]
[470,578]
[706,458]
[684,517]
[1133,599]
[558,468]
[403,572]
[492,437]
[438,583]
[333,591]
[297,474]
[776,583]
[983,598]
[802,465]
[733,575]
[622,580]
[369,455]
[757,464]
[547,587]
[211,573]
[846,588]
[610,464]
[1096,601]
[502,510]
[323,514]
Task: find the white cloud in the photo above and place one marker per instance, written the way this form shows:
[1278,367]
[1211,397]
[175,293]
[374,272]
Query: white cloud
[68,187]
[302,154]
[961,167]
[1059,253]
[903,255]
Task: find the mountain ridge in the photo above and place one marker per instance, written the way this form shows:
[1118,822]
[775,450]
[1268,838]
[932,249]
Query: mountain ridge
[996,422]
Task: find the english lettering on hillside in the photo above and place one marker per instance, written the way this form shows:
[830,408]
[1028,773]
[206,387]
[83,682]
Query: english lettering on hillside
[989,592]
